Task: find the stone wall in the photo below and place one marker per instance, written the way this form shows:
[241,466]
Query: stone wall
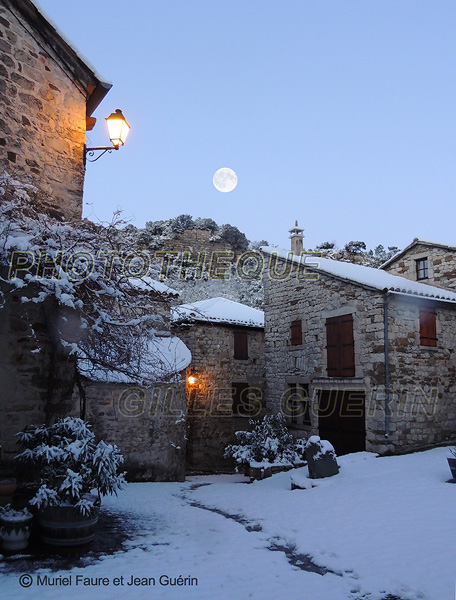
[415,371]
[211,422]
[42,115]
[148,425]
[36,373]
[441,264]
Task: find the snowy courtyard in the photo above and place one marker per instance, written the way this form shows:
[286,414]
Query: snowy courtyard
[382,528]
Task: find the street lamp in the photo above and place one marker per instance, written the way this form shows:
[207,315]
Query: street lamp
[118,129]
[192,378]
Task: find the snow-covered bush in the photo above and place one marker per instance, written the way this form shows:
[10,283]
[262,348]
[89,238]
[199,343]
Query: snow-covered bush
[67,463]
[268,442]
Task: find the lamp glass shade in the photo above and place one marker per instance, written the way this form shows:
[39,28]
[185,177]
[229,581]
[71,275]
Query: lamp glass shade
[192,380]
[118,128]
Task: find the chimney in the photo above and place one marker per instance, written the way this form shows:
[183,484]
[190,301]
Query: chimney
[296,236]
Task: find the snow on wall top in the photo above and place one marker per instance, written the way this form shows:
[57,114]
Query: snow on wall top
[145,283]
[368,276]
[415,242]
[219,310]
[166,357]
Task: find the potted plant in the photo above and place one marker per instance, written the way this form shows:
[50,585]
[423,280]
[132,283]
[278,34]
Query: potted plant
[68,464]
[15,526]
[452,462]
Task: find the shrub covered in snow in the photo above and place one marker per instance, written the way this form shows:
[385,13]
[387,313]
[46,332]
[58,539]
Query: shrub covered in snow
[269,442]
[67,463]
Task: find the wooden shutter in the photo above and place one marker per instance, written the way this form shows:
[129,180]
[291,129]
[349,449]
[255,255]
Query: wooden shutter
[296,333]
[333,346]
[428,326]
[347,347]
[340,346]
[241,348]
[238,408]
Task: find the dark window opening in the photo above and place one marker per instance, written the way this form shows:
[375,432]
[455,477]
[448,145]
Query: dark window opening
[296,333]
[340,346]
[241,346]
[241,404]
[422,271]
[298,404]
[428,326]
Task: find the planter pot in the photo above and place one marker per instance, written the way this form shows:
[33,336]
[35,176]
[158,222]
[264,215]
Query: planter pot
[452,465]
[15,534]
[64,525]
[7,486]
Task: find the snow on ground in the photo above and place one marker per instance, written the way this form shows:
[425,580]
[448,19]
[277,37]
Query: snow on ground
[383,526]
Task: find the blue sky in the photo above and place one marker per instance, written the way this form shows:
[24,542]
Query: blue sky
[339,114]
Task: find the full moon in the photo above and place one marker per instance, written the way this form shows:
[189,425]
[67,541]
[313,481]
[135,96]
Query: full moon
[225,180]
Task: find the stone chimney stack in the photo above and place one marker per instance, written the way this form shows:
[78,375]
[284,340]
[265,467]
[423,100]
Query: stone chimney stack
[296,236]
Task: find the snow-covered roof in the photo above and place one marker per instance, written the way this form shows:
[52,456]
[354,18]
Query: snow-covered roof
[367,276]
[147,283]
[166,357]
[218,310]
[415,242]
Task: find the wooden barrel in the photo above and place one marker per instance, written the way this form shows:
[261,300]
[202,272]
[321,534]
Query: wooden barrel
[64,525]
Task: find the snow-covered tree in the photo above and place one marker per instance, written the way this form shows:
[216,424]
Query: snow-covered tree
[93,278]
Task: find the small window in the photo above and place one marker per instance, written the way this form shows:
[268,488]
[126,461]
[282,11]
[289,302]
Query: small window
[239,398]
[428,326]
[298,404]
[296,333]
[241,345]
[422,271]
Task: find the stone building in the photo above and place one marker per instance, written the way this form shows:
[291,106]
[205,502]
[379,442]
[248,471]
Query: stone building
[359,356]
[427,262]
[47,96]
[225,380]
[147,422]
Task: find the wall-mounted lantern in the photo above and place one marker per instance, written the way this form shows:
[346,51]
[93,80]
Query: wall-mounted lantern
[192,377]
[118,129]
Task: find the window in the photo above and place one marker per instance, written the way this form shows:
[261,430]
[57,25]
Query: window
[296,333]
[340,346]
[422,271]
[241,345]
[298,403]
[428,326]
[239,395]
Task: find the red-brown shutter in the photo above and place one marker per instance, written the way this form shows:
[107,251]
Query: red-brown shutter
[340,346]
[332,346]
[238,395]
[241,348]
[296,333]
[428,326]
[347,350]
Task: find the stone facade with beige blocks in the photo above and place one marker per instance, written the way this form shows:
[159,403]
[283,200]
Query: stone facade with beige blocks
[46,94]
[421,399]
[148,425]
[441,263]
